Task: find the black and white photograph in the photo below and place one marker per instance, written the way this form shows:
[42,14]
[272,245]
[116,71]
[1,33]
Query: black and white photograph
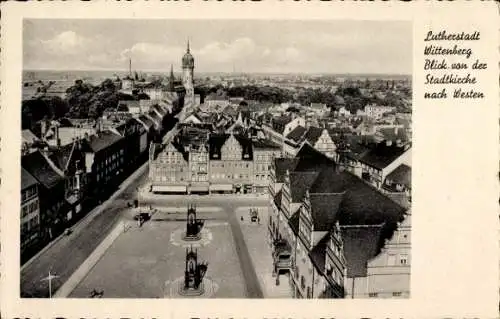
[191,158]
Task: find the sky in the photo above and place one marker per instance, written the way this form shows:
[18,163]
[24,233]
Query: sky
[274,46]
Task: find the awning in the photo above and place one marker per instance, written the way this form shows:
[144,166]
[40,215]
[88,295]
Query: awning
[221,187]
[170,188]
[199,188]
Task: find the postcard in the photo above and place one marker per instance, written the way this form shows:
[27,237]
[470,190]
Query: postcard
[249,159]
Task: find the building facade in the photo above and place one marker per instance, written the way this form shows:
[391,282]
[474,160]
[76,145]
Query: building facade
[326,225]
[30,211]
[264,153]
[169,168]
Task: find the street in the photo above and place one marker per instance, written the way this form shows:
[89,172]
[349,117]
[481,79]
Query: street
[65,255]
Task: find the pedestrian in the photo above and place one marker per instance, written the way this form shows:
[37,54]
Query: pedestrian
[241,217]
[258,220]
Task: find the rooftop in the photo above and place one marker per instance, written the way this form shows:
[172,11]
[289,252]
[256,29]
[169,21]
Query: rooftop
[103,140]
[382,155]
[38,166]
[401,175]
[27,180]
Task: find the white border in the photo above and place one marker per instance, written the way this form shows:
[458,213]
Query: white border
[455,222]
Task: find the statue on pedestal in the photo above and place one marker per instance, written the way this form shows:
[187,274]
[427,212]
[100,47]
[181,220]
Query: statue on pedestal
[193,225]
[193,274]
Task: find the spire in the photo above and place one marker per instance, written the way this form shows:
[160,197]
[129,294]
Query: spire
[130,67]
[188,47]
[172,79]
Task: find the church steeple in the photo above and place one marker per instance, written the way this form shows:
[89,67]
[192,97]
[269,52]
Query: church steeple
[188,51]
[172,79]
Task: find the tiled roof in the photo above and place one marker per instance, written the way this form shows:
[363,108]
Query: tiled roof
[104,140]
[338,195]
[360,245]
[382,155]
[324,210]
[297,134]
[147,122]
[37,165]
[265,144]
[279,123]
[300,183]
[313,134]
[27,180]
[401,175]
[61,156]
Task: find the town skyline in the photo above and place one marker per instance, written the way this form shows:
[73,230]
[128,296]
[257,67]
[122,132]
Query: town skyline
[251,46]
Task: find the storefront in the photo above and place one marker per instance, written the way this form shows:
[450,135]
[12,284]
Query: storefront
[221,188]
[199,189]
[176,189]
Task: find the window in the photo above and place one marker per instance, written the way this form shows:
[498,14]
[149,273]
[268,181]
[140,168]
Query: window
[373,295]
[396,294]
[403,259]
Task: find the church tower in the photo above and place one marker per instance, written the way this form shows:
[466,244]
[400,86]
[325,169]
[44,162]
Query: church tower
[187,75]
[171,80]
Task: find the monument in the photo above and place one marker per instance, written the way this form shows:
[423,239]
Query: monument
[193,275]
[193,225]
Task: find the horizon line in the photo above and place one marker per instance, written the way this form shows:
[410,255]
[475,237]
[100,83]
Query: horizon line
[226,72]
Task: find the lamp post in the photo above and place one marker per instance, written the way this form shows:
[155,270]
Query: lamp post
[49,279]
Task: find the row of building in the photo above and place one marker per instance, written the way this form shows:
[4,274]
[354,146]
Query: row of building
[199,160]
[335,235]
[71,165]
